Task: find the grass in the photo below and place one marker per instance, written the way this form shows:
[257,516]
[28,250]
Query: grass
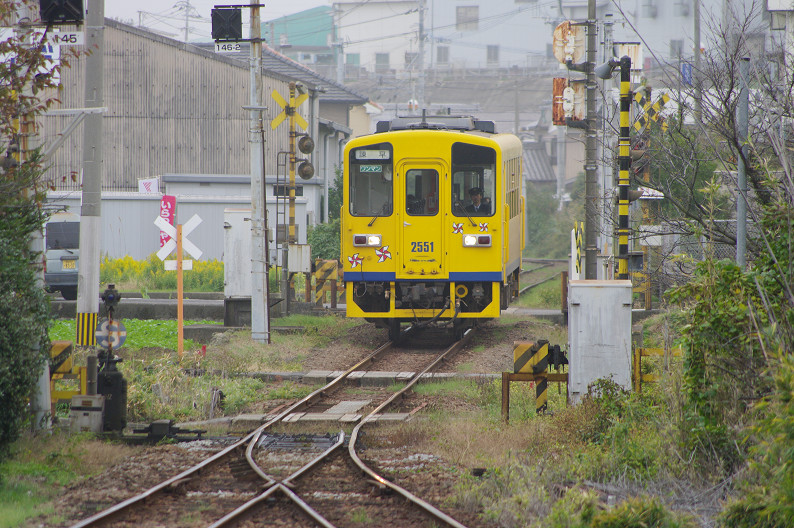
[162,386]
[546,295]
[42,465]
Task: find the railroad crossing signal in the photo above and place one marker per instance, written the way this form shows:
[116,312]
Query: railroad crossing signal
[289,109]
[652,112]
[170,230]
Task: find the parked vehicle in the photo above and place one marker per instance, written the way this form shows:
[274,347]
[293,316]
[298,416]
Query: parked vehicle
[62,252]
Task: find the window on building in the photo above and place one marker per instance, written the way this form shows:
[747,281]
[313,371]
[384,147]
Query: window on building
[283,190]
[442,54]
[493,54]
[676,48]
[353,59]
[381,62]
[467,18]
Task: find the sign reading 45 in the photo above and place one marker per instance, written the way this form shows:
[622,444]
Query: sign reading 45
[421,247]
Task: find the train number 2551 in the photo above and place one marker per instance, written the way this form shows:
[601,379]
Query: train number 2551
[421,247]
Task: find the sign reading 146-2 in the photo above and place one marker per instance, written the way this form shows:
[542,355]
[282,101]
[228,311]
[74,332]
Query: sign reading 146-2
[227,47]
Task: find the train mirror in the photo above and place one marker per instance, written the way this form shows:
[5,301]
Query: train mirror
[306,144]
[305,170]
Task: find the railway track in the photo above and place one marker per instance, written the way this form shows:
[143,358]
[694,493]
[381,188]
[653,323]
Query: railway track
[542,271]
[273,479]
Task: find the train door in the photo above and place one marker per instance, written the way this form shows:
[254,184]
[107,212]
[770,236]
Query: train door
[421,251]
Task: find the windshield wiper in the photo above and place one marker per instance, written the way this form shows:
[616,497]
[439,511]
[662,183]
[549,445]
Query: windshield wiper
[380,213]
[460,206]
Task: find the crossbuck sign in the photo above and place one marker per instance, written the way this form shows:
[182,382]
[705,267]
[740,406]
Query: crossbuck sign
[170,246]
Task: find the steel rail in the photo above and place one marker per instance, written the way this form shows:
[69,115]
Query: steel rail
[528,287]
[251,439]
[283,486]
[438,514]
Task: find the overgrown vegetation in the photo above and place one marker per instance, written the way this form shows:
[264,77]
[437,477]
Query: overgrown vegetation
[26,91]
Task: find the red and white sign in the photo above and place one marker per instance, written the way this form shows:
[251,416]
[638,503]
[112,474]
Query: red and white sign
[167,213]
[149,185]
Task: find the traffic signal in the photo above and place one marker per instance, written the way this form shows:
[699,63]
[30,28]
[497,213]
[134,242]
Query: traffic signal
[61,11]
[227,24]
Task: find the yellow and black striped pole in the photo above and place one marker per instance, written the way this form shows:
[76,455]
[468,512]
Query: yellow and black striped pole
[624,166]
[291,114]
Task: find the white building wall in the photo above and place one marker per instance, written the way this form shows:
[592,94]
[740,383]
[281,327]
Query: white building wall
[373,27]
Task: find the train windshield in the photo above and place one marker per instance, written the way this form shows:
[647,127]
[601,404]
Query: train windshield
[370,175]
[473,180]
[421,192]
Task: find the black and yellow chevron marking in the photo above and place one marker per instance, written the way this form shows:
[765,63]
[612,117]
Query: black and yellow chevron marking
[533,358]
[86,329]
[326,272]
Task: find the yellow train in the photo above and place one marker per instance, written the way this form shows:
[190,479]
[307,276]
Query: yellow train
[432,222]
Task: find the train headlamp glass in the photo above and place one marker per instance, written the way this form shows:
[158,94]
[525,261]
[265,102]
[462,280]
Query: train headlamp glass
[476,240]
[367,240]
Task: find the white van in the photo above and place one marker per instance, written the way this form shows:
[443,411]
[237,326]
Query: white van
[62,251]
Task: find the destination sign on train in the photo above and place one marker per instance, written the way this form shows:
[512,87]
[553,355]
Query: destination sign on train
[372,154]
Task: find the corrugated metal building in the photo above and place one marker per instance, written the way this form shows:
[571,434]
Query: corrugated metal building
[175,108]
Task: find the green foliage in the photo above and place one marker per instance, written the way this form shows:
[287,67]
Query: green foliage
[24,310]
[335,194]
[770,501]
[150,275]
[580,509]
[723,360]
[324,240]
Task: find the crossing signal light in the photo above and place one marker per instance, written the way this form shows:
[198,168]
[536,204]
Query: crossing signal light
[61,11]
[227,24]
[306,170]
[306,144]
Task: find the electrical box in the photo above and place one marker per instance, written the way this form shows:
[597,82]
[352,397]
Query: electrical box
[87,413]
[299,258]
[236,253]
[599,334]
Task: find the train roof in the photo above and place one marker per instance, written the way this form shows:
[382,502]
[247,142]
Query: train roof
[443,122]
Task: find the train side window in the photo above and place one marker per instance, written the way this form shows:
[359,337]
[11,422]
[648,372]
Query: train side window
[370,180]
[473,167]
[421,192]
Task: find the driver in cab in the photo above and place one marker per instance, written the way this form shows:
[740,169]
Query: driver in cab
[478,206]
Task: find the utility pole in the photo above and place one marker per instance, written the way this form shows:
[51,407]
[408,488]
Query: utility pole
[696,73]
[260,320]
[420,89]
[93,149]
[741,195]
[591,166]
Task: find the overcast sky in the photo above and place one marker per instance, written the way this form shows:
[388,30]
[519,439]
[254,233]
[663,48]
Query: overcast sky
[168,16]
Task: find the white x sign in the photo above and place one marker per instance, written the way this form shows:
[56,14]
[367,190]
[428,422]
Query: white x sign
[170,230]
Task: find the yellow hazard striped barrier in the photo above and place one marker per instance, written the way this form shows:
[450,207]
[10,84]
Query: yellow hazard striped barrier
[328,283]
[86,329]
[533,358]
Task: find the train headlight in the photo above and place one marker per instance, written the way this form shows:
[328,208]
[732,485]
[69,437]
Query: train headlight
[367,240]
[476,240]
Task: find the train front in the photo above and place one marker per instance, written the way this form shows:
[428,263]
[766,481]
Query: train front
[425,230]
